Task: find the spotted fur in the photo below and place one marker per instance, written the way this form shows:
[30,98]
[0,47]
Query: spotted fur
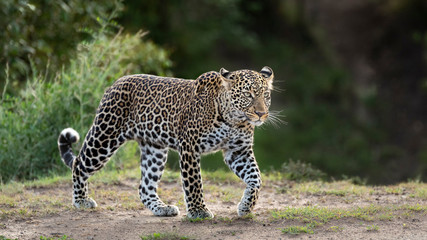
[217,111]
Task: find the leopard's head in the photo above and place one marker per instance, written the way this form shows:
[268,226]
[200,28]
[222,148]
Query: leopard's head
[248,93]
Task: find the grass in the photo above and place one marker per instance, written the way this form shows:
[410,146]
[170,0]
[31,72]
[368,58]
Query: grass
[221,176]
[196,220]
[5,238]
[250,216]
[23,199]
[225,192]
[164,236]
[294,230]
[336,188]
[336,229]
[224,219]
[317,216]
[372,228]
[116,190]
[64,237]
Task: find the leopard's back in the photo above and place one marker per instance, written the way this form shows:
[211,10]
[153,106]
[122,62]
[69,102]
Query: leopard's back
[146,107]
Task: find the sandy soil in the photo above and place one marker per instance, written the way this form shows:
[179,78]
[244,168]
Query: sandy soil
[121,216]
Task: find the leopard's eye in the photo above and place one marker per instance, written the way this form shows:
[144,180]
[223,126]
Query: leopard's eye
[247,94]
[267,94]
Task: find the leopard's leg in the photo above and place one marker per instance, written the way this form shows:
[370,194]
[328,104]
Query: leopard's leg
[97,149]
[192,185]
[153,160]
[241,160]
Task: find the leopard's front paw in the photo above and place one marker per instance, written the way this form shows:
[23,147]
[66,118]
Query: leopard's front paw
[166,211]
[247,203]
[85,203]
[202,213]
[244,209]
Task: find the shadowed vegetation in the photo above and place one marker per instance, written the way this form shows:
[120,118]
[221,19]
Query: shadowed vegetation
[353,103]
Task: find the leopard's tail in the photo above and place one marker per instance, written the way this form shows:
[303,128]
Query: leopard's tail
[67,137]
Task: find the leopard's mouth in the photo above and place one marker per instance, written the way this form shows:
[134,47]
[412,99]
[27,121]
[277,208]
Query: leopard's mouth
[257,123]
[254,119]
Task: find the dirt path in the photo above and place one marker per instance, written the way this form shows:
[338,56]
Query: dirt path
[397,212]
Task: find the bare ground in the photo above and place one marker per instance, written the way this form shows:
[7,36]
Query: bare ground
[396,212]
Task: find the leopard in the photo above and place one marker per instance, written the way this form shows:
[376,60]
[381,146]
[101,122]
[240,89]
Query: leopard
[218,111]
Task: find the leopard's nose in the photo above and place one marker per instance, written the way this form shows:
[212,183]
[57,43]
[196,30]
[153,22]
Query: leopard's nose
[260,114]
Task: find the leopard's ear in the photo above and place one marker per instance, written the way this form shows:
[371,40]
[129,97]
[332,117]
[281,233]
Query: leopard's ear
[227,78]
[268,75]
[224,73]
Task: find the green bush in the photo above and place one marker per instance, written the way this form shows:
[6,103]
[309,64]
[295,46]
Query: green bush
[30,123]
[300,171]
[46,32]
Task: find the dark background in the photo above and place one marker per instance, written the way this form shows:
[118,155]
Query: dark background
[350,75]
